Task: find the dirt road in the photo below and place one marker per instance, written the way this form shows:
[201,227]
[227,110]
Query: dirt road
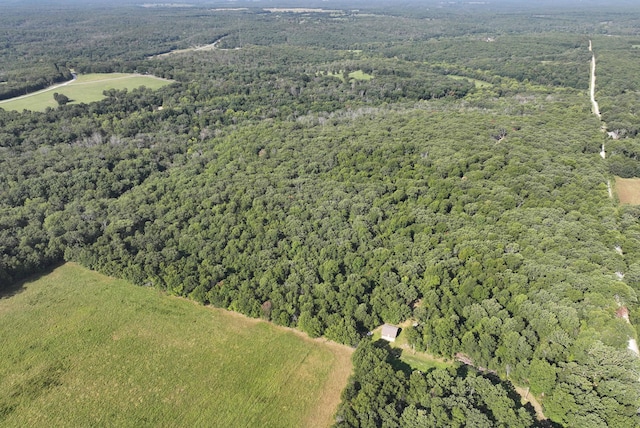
[50,88]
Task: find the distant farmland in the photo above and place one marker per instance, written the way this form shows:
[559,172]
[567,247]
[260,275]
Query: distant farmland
[87,88]
[82,349]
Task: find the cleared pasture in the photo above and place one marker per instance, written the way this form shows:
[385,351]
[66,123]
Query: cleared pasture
[360,75]
[628,190]
[354,75]
[83,349]
[85,89]
[477,82]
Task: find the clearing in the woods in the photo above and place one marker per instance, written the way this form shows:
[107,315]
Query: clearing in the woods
[85,89]
[628,190]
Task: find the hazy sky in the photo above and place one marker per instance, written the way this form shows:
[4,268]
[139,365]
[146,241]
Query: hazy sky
[525,4]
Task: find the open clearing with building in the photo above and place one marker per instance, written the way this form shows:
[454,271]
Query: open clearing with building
[416,360]
[83,349]
[85,89]
[628,190]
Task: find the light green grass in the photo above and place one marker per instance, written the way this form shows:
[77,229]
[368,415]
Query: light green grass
[477,82]
[82,349]
[354,75]
[422,363]
[87,88]
[360,75]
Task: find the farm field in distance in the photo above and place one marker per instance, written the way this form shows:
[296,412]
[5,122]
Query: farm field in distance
[628,190]
[85,89]
[83,349]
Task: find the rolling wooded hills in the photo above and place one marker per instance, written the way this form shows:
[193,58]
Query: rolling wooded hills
[460,187]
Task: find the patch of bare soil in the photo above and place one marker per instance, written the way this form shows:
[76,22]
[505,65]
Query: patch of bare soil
[529,398]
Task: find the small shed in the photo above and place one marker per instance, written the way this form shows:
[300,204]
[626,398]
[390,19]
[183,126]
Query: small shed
[389,332]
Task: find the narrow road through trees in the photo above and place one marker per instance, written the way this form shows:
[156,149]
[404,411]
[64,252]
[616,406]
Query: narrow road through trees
[592,83]
[632,343]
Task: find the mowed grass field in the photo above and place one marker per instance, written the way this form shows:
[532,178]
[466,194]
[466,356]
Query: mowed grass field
[85,89]
[82,349]
[478,83]
[354,75]
[628,190]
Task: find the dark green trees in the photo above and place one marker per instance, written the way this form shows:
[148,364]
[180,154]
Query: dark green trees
[379,395]
[61,99]
[260,182]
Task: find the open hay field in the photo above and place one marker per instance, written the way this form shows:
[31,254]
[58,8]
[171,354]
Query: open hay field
[83,349]
[85,89]
[628,190]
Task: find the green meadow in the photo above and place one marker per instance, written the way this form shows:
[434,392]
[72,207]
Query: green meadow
[82,349]
[354,75]
[478,83]
[360,75]
[85,89]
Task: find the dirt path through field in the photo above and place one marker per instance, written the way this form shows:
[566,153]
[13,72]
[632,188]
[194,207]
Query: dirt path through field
[50,88]
[76,83]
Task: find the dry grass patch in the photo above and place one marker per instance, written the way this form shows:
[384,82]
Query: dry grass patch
[628,190]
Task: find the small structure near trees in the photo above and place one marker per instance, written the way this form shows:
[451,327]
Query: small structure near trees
[389,332]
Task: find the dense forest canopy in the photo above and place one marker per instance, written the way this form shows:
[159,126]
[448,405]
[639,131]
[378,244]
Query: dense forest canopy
[333,171]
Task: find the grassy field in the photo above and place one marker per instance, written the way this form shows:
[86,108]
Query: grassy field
[478,83]
[354,75]
[82,349]
[360,75]
[87,88]
[628,190]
